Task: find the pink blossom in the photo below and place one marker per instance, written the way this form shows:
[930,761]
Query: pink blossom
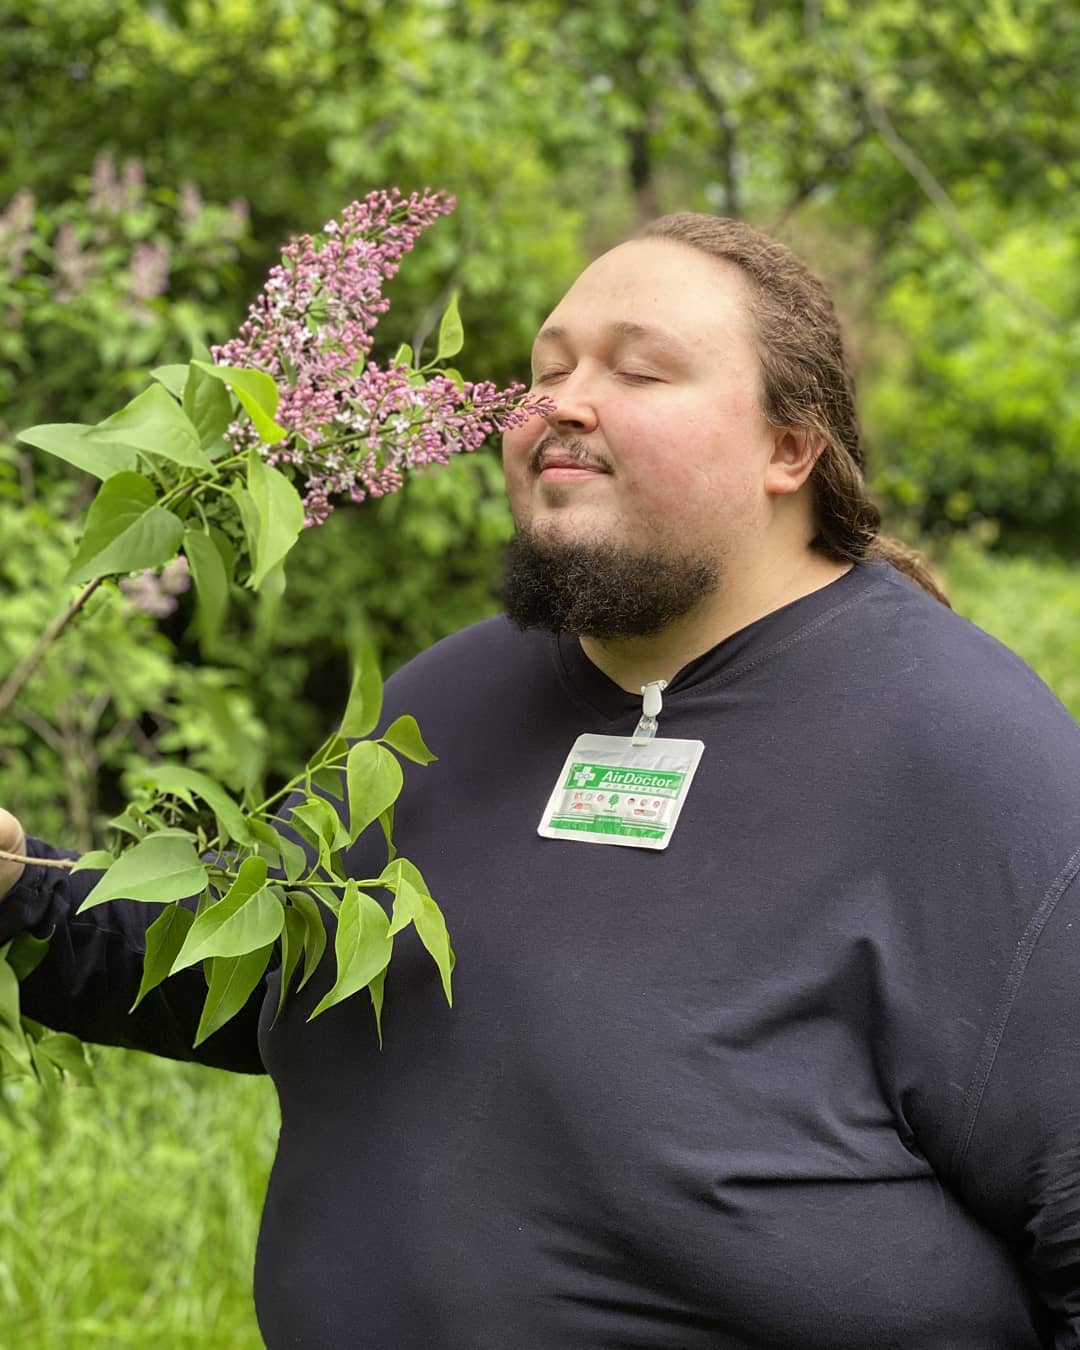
[354,427]
[16,229]
[154,593]
[72,266]
[149,270]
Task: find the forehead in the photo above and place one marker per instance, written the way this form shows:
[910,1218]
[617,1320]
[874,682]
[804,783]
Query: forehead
[661,286]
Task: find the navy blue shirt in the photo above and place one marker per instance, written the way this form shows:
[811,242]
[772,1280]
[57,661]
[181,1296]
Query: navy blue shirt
[809,1078]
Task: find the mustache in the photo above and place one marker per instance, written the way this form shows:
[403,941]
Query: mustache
[573,447]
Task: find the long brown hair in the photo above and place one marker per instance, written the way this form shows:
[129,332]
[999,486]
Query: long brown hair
[807,382]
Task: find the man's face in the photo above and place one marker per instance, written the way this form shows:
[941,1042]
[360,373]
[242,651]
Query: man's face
[657,445]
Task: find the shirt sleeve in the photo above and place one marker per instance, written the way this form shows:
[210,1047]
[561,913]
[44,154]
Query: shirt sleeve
[1018,1157]
[91,973]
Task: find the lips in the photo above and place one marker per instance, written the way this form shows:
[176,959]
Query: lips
[556,464]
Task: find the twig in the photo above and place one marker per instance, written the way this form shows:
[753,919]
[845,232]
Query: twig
[22,672]
[66,863]
[44,730]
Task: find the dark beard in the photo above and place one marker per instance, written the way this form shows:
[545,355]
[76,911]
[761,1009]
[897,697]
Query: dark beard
[598,590]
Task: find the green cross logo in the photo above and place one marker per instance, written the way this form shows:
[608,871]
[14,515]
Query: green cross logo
[584,776]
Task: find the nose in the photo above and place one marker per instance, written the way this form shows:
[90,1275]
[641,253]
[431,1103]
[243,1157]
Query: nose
[575,406]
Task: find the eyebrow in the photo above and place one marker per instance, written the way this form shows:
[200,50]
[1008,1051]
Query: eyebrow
[623,328]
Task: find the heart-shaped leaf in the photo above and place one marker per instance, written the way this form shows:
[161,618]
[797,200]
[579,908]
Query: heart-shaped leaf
[163,867]
[155,423]
[125,530]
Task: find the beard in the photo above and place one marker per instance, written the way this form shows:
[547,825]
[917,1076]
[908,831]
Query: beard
[600,590]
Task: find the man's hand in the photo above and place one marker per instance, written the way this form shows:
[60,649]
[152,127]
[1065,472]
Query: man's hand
[12,840]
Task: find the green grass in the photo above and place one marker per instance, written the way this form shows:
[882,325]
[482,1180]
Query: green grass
[128,1215]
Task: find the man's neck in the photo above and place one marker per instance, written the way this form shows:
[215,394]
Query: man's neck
[633,662]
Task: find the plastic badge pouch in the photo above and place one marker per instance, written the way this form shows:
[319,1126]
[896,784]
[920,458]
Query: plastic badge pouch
[621,790]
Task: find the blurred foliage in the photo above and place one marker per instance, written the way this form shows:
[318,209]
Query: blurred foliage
[97,288]
[1032,605]
[109,695]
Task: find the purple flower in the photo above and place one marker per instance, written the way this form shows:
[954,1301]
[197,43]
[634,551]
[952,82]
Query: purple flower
[155,594]
[16,229]
[73,268]
[354,427]
[149,270]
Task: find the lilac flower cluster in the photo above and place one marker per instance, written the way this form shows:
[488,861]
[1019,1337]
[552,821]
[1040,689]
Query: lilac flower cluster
[156,593]
[354,428]
[16,231]
[73,266]
[112,193]
[149,269]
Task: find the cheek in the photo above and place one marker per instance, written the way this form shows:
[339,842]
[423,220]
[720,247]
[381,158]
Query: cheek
[517,444]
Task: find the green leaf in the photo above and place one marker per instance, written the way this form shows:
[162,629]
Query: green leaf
[26,953]
[317,821]
[292,948]
[374,782]
[314,932]
[172,377]
[211,587]
[207,405]
[403,356]
[125,530]
[156,424]
[280,512]
[330,780]
[179,779]
[413,903]
[232,980]
[163,867]
[403,735]
[362,945]
[249,516]
[164,938]
[245,919]
[68,1053]
[376,989]
[451,333]
[225,548]
[9,996]
[12,1039]
[365,697]
[268,609]
[386,822]
[67,441]
[455,377]
[47,1072]
[97,860]
[258,394]
[292,857]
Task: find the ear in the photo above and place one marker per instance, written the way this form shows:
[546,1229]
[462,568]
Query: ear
[795,452]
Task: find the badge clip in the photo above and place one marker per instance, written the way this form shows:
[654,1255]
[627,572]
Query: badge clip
[651,705]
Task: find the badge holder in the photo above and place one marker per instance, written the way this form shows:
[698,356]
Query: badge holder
[624,790]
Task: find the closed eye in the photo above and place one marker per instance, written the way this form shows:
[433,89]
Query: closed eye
[549,375]
[640,377]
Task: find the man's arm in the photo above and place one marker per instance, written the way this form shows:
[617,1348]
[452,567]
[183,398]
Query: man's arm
[1018,1158]
[91,973]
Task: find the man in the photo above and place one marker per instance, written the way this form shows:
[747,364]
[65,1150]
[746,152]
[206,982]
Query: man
[808,1076]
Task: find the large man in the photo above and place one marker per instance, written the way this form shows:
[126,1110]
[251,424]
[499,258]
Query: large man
[807,1077]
